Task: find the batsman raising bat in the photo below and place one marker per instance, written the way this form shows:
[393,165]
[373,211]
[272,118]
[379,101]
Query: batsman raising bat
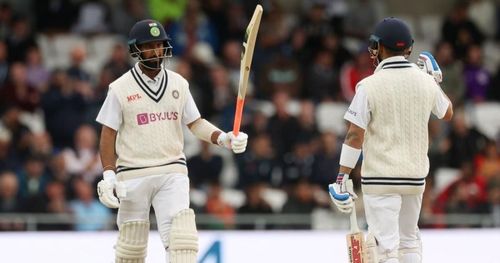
[142,154]
[389,118]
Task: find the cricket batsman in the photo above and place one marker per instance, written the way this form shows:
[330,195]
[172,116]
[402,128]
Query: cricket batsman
[389,118]
[141,148]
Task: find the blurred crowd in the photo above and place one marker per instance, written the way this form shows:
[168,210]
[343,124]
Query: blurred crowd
[309,54]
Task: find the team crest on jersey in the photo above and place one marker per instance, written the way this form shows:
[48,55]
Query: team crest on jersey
[133,97]
[175,94]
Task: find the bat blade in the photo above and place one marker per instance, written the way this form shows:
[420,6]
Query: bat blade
[245,65]
[355,243]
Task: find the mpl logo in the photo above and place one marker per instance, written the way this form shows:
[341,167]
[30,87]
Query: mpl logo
[146,118]
[133,97]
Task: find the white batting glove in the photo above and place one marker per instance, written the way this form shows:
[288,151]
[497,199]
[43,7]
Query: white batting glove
[342,193]
[237,144]
[105,189]
[429,65]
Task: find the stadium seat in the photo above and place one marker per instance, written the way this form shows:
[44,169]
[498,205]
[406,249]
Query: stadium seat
[443,177]
[233,197]
[486,118]
[276,198]
[330,117]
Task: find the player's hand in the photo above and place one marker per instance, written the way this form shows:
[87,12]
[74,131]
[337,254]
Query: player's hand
[342,193]
[428,64]
[106,188]
[237,144]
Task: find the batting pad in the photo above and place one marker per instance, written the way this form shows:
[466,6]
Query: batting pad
[132,242]
[183,247]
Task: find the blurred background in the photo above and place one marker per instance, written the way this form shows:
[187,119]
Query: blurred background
[58,57]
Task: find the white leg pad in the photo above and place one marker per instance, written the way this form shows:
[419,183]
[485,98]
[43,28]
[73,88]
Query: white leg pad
[371,249]
[132,242]
[183,239]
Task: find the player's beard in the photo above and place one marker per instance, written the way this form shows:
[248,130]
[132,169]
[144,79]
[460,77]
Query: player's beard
[153,63]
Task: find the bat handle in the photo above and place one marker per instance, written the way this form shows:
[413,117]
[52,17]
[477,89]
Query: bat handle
[238,116]
[354,220]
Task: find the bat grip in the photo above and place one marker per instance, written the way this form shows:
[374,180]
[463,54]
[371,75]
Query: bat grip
[354,220]
[238,116]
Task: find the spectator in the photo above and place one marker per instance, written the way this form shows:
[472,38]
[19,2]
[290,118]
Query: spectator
[18,90]
[300,202]
[258,164]
[90,214]
[64,109]
[282,126]
[477,78]
[465,142]
[204,168]
[322,79]
[4,64]
[354,71]
[9,201]
[37,75]
[193,27]
[255,205]
[326,160]
[453,82]
[218,208]
[57,206]
[33,180]
[9,187]
[459,30]
[20,39]
[83,158]
[118,63]
[487,163]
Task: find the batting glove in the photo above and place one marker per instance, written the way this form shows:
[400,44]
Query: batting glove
[342,194]
[428,64]
[237,144]
[106,188]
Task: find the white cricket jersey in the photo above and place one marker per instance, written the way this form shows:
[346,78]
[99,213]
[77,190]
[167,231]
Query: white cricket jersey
[148,115]
[393,106]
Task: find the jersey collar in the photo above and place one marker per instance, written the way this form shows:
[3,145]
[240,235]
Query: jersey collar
[145,77]
[394,62]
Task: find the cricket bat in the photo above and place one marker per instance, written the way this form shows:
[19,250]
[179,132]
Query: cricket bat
[246,63]
[355,239]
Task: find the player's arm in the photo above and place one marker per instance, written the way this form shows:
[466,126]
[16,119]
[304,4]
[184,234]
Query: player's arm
[110,116]
[107,148]
[351,149]
[206,131]
[427,63]
[358,115]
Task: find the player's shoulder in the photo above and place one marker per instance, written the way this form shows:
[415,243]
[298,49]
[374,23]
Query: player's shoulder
[178,78]
[123,80]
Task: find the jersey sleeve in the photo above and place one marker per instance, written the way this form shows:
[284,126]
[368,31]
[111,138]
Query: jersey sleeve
[111,112]
[441,104]
[190,112]
[359,112]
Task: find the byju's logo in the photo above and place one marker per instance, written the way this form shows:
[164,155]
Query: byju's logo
[146,118]
[142,118]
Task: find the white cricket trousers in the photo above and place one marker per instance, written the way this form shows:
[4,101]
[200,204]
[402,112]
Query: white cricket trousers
[167,193]
[393,219]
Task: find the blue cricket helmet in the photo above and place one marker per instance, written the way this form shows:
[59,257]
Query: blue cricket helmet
[393,33]
[146,31]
